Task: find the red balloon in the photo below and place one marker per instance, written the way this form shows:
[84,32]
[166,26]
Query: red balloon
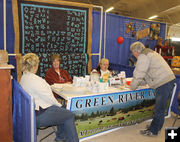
[120,40]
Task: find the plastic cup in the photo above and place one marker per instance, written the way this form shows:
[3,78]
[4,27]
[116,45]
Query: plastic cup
[128,82]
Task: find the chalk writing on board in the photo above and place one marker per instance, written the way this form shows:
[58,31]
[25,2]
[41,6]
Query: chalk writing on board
[47,28]
[53,28]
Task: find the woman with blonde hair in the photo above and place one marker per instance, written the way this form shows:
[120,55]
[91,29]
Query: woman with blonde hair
[48,111]
[103,69]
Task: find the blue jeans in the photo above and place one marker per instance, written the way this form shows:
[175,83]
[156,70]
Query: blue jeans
[63,119]
[162,94]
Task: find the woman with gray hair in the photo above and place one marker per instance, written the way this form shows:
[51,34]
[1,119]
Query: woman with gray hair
[48,111]
[153,70]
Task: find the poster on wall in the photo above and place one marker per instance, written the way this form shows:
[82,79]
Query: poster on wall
[136,29]
[96,114]
[154,31]
[142,34]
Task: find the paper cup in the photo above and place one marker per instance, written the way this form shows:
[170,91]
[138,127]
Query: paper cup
[128,81]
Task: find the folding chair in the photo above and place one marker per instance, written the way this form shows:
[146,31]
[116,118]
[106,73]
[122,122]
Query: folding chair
[44,128]
[47,135]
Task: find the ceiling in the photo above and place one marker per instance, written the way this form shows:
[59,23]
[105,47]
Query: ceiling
[168,11]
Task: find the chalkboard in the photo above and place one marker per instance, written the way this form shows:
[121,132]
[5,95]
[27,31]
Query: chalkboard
[55,27]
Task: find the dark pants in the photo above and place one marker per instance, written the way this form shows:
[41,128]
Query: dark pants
[63,119]
[162,94]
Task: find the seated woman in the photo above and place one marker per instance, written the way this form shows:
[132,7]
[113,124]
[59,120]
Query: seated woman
[55,74]
[103,70]
[48,111]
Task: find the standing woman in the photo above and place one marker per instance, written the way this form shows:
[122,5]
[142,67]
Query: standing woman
[48,111]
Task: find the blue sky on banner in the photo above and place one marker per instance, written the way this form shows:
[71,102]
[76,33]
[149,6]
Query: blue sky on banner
[105,102]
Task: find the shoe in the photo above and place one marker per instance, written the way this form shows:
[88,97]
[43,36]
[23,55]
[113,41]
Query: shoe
[147,132]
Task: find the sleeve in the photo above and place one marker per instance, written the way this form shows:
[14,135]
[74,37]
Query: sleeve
[41,89]
[143,82]
[66,76]
[50,77]
[140,71]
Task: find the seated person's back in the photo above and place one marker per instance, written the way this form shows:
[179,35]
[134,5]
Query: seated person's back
[48,111]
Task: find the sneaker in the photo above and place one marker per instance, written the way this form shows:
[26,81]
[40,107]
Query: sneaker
[147,132]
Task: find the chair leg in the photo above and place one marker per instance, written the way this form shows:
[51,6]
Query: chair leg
[46,136]
[43,128]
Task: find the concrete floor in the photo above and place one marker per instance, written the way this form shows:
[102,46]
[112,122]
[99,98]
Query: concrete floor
[126,134]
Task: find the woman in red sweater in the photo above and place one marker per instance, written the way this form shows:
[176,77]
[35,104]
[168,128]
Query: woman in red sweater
[55,74]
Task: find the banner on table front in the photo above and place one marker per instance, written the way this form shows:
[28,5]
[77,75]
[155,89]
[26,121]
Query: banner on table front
[95,114]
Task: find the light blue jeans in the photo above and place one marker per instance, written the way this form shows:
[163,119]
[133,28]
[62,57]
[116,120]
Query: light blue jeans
[63,119]
[162,94]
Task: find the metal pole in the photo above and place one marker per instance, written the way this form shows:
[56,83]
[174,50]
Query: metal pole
[105,35]
[32,119]
[4,9]
[95,54]
[12,54]
[100,42]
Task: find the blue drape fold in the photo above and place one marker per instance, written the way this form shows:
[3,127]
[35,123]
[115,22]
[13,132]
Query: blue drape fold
[115,27]
[21,114]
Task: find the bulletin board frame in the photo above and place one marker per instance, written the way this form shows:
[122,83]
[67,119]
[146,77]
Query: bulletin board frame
[17,42]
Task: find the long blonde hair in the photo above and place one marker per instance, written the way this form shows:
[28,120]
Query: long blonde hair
[28,62]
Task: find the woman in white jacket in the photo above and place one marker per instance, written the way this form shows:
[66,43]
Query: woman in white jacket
[153,70]
[48,111]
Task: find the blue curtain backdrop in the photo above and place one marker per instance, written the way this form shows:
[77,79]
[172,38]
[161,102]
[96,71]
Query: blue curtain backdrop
[9,27]
[22,115]
[96,37]
[115,27]
[9,33]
